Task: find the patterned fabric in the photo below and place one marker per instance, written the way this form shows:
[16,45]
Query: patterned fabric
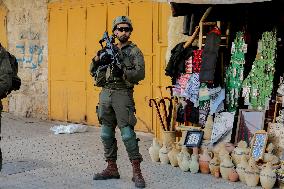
[196,63]
[191,91]
[222,127]
[217,95]
[204,107]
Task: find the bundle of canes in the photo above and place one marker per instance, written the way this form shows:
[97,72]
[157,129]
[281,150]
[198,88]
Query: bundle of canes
[153,101]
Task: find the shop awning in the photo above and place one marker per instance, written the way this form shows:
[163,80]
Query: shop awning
[213,1]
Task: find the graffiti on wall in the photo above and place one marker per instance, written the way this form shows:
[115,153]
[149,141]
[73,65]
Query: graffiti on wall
[31,54]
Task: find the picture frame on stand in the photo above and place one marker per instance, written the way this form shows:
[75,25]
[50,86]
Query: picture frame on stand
[249,121]
[193,138]
[258,145]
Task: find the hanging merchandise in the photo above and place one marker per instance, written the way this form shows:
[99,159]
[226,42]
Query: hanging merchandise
[257,87]
[217,96]
[197,59]
[210,55]
[234,74]
[204,104]
[191,91]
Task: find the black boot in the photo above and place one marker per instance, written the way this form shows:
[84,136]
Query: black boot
[137,175]
[111,172]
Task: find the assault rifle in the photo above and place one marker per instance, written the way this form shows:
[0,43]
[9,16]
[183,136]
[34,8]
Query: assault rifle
[110,51]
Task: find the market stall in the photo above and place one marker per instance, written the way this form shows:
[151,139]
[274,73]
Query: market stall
[226,92]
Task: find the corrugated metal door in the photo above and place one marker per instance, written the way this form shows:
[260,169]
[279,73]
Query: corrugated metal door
[74,31]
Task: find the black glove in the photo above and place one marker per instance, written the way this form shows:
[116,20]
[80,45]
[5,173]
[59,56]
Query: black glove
[117,72]
[104,56]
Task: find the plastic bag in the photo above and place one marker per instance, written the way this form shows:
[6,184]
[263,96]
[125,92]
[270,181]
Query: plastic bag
[72,128]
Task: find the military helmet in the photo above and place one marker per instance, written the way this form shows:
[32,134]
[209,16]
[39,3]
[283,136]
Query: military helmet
[121,20]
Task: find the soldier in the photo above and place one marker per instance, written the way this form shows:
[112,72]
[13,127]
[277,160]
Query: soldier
[116,104]
[5,83]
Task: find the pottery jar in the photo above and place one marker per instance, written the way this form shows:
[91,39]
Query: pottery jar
[194,165]
[214,165]
[239,151]
[252,173]
[185,164]
[173,156]
[204,160]
[267,176]
[154,150]
[241,167]
[169,138]
[163,154]
[226,166]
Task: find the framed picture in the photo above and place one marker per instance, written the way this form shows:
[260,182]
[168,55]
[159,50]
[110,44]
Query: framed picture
[249,121]
[193,138]
[258,145]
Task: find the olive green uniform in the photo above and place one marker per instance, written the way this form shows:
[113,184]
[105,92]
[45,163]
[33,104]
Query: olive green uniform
[116,105]
[5,83]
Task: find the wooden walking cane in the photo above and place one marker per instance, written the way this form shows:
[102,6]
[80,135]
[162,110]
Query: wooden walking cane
[193,36]
[151,101]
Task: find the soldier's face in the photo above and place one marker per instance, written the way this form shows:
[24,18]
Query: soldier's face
[122,32]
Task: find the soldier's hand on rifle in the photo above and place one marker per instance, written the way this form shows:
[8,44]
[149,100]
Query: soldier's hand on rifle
[117,72]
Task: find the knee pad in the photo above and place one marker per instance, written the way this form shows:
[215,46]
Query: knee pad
[127,133]
[107,133]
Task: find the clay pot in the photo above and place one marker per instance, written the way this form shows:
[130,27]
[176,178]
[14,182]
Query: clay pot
[267,176]
[252,173]
[154,150]
[239,151]
[163,154]
[204,160]
[185,164]
[226,166]
[169,138]
[214,165]
[194,165]
[233,175]
[173,156]
[241,167]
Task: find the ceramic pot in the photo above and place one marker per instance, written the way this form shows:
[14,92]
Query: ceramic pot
[226,166]
[163,154]
[222,151]
[204,160]
[252,173]
[194,165]
[267,176]
[208,128]
[154,150]
[241,167]
[239,151]
[173,156]
[214,165]
[185,164]
[233,175]
[169,138]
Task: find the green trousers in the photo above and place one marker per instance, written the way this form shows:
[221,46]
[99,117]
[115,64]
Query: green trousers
[117,108]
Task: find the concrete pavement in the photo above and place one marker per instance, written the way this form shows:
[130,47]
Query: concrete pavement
[35,158]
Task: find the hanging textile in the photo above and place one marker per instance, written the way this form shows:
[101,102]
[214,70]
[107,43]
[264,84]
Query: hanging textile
[235,72]
[210,55]
[257,87]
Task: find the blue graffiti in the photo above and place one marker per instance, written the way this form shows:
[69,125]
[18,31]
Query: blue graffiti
[34,56]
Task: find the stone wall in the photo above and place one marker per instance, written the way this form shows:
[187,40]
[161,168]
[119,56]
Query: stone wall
[28,41]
